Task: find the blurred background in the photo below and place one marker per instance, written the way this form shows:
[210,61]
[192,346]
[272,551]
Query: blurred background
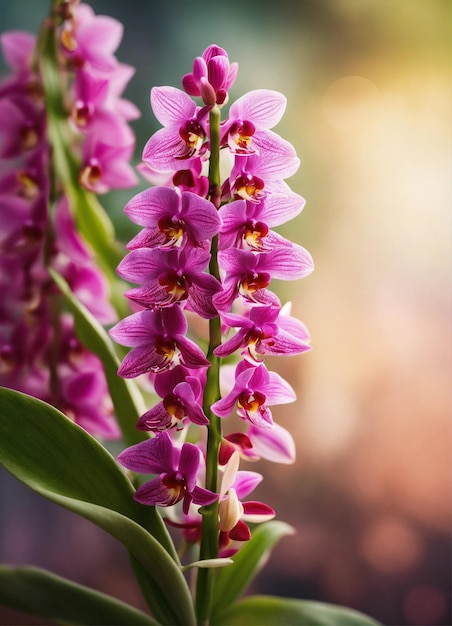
[368,84]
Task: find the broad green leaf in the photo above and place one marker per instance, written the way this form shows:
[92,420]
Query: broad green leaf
[40,593]
[56,458]
[125,395]
[232,581]
[275,611]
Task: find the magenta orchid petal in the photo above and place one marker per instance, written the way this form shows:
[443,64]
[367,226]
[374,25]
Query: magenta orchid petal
[294,327]
[174,322]
[263,107]
[152,456]
[169,277]
[257,512]
[276,209]
[191,85]
[278,390]
[136,329]
[167,151]
[231,345]
[245,482]
[166,209]
[283,344]
[240,532]
[142,360]
[262,417]
[154,336]
[201,293]
[164,383]
[223,407]
[188,464]
[18,48]
[178,469]
[204,219]
[196,414]
[275,445]
[147,238]
[156,418]
[203,496]
[217,71]
[191,355]
[277,158]
[287,262]
[156,493]
[140,265]
[68,238]
[171,106]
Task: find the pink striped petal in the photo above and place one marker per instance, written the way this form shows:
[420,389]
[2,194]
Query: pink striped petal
[171,106]
[263,107]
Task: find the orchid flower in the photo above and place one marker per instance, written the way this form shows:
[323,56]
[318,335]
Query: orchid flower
[170,277]
[249,274]
[155,337]
[255,390]
[171,218]
[182,140]
[91,39]
[176,468]
[250,118]
[261,334]
[181,393]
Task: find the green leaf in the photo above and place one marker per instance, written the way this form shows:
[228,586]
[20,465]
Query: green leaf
[40,593]
[232,581]
[56,458]
[125,395]
[275,611]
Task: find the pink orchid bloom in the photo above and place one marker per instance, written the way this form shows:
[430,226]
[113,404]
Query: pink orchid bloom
[249,121]
[247,224]
[106,166]
[77,266]
[254,176]
[118,80]
[22,127]
[260,334]
[177,470]
[95,111]
[91,39]
[249,274]
[155,338]
[255,389]
[182,140]
[171,218]
[84,397]
[18,48]
[83,393]
[181,395]
[169,277]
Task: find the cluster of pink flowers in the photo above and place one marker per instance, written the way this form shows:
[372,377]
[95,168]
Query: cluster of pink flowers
[88,42]
[170,261]
[39,352]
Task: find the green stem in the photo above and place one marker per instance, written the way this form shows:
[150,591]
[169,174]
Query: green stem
[209,539]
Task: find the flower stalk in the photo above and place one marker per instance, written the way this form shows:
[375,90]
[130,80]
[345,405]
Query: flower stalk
[209,536]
